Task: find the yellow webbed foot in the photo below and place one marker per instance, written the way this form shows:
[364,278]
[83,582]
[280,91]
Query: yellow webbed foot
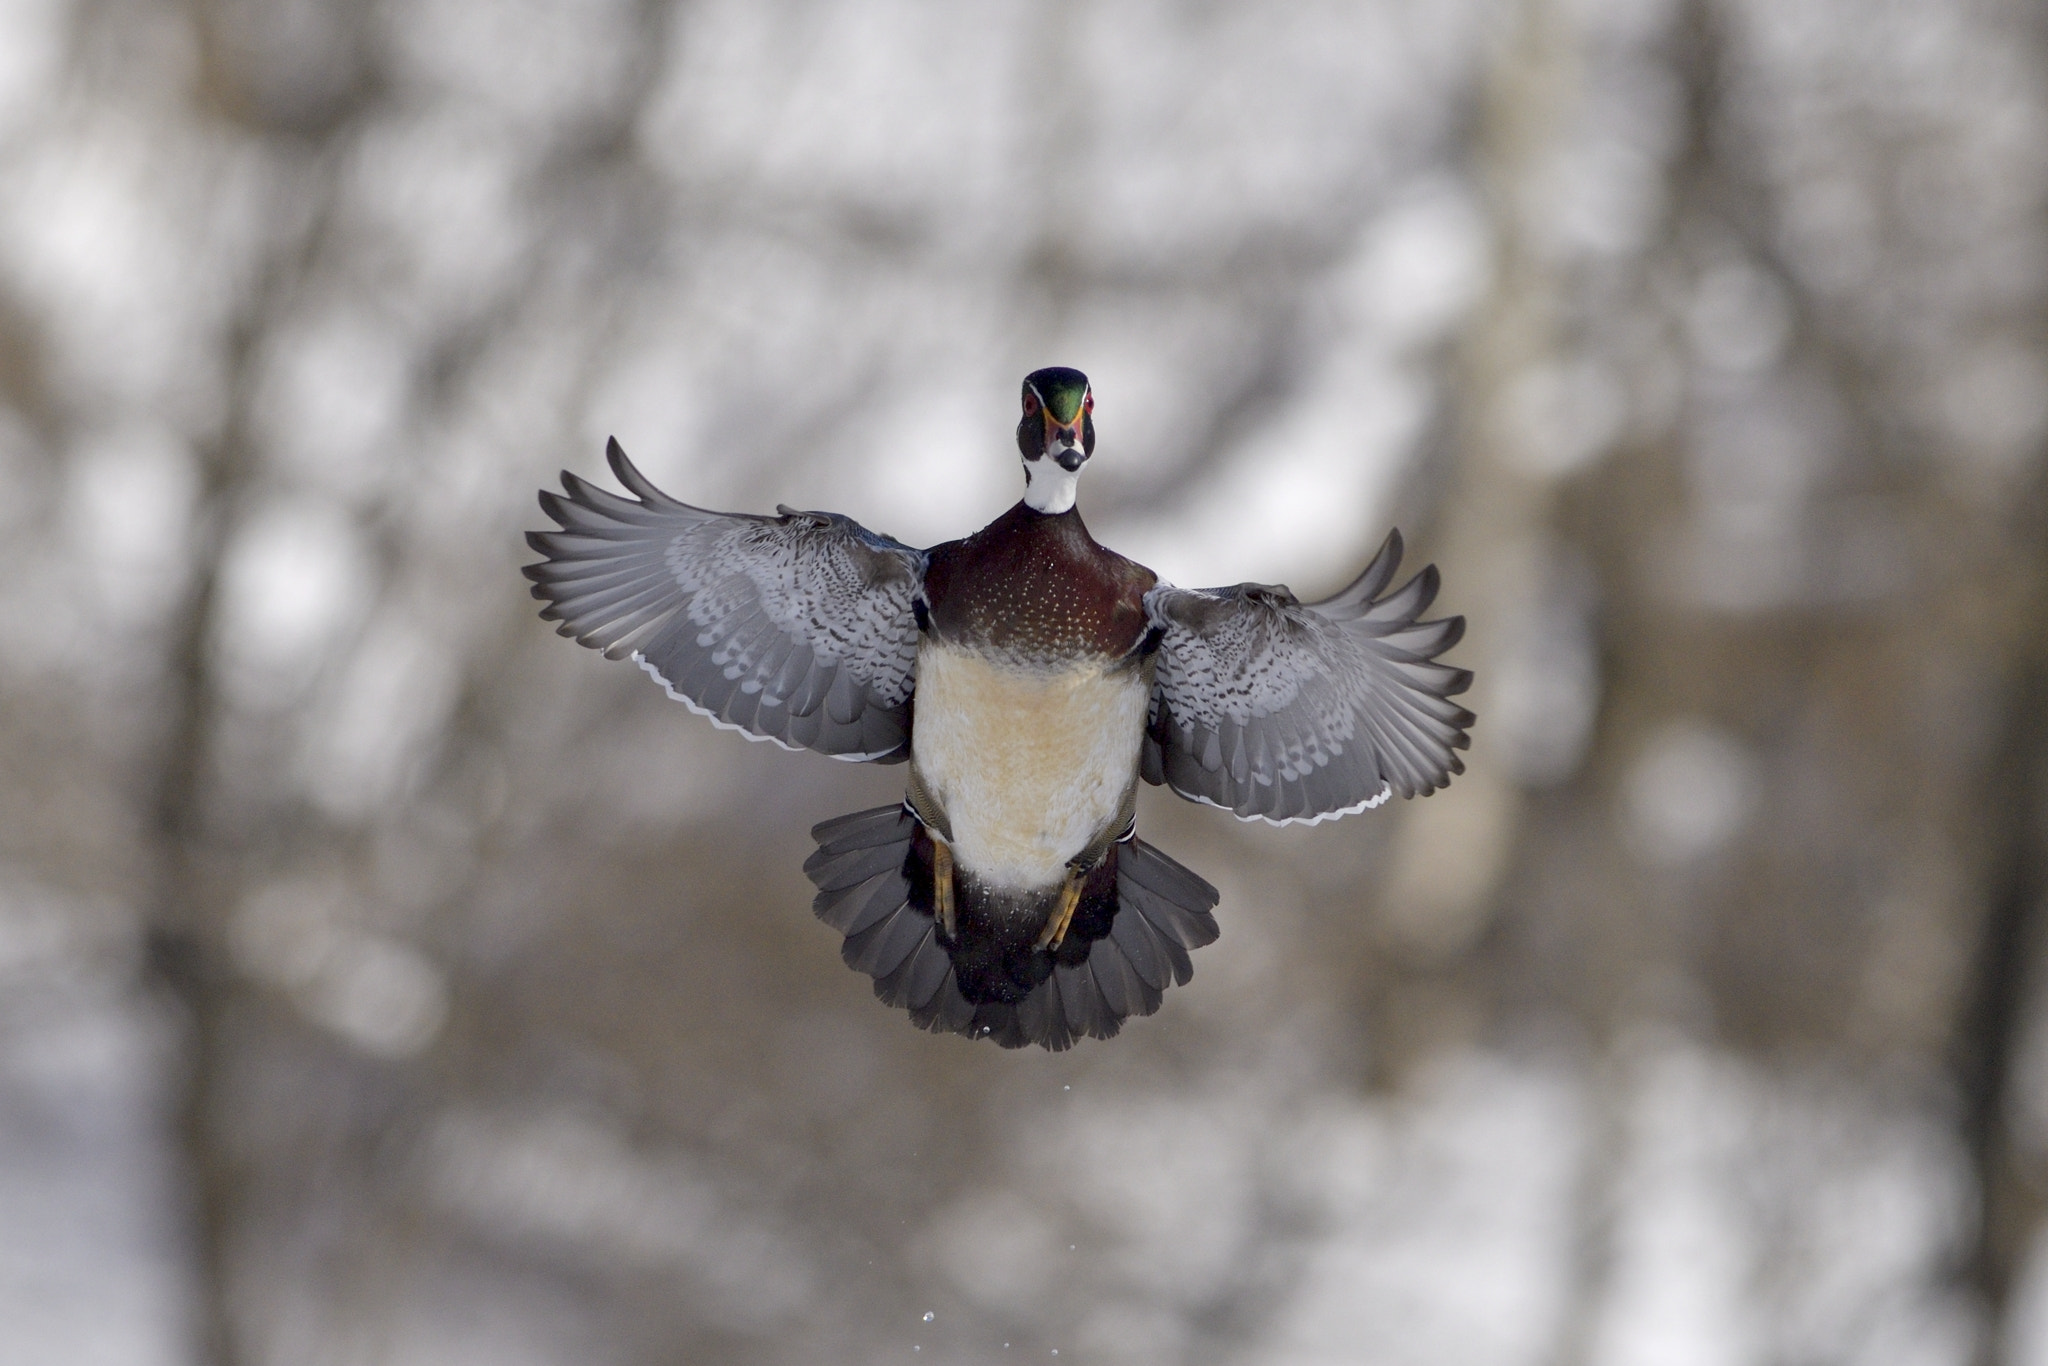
[1063,914]
[942,885]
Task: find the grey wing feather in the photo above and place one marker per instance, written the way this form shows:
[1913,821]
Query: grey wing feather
[796,628]
[1286,712]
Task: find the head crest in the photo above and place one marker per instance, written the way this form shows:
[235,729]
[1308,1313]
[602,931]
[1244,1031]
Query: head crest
[1060,389]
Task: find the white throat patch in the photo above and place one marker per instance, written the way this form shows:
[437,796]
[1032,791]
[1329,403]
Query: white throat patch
[1048,487]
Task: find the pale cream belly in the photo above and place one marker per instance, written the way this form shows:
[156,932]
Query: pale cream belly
[1028,766]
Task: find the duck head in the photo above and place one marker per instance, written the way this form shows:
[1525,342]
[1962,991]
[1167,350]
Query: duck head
[1055,436]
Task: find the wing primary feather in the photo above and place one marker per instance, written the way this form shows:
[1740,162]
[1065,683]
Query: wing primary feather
[594,575]
[1410,600]
[606,606]
[639,484]
[589,499]
[1371,581]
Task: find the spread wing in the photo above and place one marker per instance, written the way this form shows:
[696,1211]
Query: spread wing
[1289,712]
[796,628]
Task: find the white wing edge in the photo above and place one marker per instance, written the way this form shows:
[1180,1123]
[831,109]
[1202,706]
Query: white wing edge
[1386,791]
[744,733]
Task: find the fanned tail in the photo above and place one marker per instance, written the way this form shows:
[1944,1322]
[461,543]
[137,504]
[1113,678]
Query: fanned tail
[1129,942]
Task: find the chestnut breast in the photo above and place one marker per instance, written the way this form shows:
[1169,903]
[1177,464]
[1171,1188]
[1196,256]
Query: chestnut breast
[1038,589]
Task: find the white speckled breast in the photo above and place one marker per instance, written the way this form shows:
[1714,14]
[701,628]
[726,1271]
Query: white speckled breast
[1028,765]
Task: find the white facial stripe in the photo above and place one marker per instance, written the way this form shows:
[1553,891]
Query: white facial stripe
[1048,487]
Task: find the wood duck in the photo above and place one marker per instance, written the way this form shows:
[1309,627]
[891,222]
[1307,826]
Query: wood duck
[1030,677]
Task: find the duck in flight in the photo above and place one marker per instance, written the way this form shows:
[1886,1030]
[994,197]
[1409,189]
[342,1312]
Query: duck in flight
[1030,677]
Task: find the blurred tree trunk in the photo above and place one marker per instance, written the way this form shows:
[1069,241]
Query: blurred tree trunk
[1814,680]
[1462,856]
[193,872]
[185,949]
[301,134]
[2008,990]
[2010,966]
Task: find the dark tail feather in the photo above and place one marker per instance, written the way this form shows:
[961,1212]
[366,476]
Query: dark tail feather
[873,872]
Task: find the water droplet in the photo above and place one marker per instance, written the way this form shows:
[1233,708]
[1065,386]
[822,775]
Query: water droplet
[1067,1088]
[929,1316]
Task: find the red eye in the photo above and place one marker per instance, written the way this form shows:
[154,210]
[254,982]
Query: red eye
[1030,403]
[1088,404]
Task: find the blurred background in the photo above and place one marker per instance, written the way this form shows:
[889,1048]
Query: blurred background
[386,980]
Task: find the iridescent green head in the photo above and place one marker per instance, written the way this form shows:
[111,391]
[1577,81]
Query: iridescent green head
[1058,426]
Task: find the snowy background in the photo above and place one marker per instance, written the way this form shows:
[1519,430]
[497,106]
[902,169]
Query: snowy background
[385,980]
